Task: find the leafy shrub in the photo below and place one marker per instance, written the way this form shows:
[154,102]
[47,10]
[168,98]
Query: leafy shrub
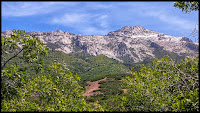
[165,86]
[45,89]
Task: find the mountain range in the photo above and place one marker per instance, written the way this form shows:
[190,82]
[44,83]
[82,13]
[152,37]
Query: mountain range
[111,56]
[127,45]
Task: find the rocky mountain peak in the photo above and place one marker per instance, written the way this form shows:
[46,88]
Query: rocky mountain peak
[128,44]
[133,29]
[59,31]
[130,31]
[8,32]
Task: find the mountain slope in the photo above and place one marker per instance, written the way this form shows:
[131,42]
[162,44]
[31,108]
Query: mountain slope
[87,69]
[128,44]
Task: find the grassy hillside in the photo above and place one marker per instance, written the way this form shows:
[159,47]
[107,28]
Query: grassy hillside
[90,67]
[87,67]
[102,65]
[70,63]
[110,88]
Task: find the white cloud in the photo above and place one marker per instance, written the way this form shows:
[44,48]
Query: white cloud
[101,17]
[173,20]
[71,19]
[98,5]
[102,20]
[163,12]
[93,31]
[31,8]
[85,23]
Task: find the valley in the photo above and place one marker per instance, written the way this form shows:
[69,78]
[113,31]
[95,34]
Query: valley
[94,58]
[102,62]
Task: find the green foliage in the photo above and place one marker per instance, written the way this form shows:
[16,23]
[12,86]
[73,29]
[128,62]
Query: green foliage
[110,87]
[87,68]
[32,84]
[29,46]
[46,88]
[102,65]
[14,76]
[115,76]
[187,6]
[69,62]
[101,60]
[103,70]
[127,61]
[81,55]
[57,91]
[118,76]
[98,78]
[160,53]
[165,86]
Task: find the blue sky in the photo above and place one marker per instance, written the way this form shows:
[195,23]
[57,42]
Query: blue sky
[97,18]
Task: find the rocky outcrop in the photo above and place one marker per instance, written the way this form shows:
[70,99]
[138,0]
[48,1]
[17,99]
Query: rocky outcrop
[136,43]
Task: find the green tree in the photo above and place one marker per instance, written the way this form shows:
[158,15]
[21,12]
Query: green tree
[187,6]
[165,86]
[18,43]
[29,47]
[51,89]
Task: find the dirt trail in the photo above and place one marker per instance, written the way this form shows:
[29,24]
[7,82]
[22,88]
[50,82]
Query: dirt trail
[125,90]
[93,86]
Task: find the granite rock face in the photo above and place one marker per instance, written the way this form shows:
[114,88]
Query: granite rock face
[135,43]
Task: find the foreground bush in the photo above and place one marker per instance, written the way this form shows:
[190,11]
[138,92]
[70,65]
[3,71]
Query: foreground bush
[165,86]
[57,91]
[40,89]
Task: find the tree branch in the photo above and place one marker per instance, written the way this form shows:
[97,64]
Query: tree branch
[11,58]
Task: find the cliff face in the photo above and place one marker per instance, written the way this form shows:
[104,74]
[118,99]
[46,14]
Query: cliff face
[135,43]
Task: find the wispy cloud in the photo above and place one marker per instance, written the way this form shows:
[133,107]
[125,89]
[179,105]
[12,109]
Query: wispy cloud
[85,23]
[167,17]
[77,15]
[93,18]
[103,21]
[163,13]
[177,22]
[93,31]
[71,19]
[31,8]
